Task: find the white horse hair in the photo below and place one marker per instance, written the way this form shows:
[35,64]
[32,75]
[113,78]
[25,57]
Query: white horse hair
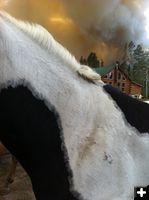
[45,39]
[108,157]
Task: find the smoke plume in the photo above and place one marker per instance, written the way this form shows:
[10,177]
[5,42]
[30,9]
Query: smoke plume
[111,21]
[103,26]
[3,3]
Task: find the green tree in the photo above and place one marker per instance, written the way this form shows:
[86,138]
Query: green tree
[141,67]
[127,61]
[135,62]
[91,60]
[83,61]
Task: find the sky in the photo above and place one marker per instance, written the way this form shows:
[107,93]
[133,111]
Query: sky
[84,26]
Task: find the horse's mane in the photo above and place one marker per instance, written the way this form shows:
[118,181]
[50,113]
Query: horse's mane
[46,40]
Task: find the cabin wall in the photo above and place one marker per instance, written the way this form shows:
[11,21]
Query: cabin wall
[118,79]
[135,89]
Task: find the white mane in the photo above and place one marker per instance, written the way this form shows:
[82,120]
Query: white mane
[45,39]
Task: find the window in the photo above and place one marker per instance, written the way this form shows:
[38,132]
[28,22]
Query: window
[123,84]
[123,89]
[124,78]
[110,75]
[119,76]
[118,84]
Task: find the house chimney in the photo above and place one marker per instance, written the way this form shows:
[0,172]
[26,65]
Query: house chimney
[101,63]
[117,64]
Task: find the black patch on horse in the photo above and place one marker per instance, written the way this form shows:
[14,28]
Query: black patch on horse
[135,111]
[31,132]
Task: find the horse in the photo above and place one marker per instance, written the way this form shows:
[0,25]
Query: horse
[74,135]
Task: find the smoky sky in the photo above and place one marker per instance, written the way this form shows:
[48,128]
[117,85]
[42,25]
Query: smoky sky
[114,21]
[82,26]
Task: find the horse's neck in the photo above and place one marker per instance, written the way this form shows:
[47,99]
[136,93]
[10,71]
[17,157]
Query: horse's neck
[24,59]
[48,77]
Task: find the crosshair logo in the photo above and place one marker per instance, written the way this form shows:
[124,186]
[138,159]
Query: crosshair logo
[141,193]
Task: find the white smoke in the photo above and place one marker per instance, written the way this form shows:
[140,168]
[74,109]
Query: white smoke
[102,26]
[111,21]
[4,3]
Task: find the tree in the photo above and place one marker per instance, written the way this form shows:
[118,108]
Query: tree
[127,61]
[135,62]
[141,67]
[91,60]
[141,57]
[83,61]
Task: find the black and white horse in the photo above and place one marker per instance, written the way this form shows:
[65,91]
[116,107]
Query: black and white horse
[77,139]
